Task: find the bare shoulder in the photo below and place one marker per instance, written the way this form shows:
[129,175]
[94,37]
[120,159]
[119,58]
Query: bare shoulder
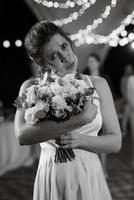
[99,81]
[101,86]
[25,85]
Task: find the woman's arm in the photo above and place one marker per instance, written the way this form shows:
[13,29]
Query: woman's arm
[48,129]
[111,140]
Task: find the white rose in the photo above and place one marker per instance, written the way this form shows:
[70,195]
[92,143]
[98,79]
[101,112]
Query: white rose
[30,116]
[59,103]
[40,105]
[72,89]
[69,78]
[43,91]
[81,86]
[56,89]
[59,113]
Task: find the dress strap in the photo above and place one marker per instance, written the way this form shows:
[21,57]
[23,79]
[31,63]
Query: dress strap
[95,95]
[89,80]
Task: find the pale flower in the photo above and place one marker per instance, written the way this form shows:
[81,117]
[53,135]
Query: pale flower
[56,89]
[69,78]
[72,89]
[81,86]
[30,95]
[42,109]
[40,105]
[43,91]
[43,80]
[59,103]
[30,113]
[59,113]
[30,116]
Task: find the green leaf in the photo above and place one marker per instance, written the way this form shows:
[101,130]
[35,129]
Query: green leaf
[20,101]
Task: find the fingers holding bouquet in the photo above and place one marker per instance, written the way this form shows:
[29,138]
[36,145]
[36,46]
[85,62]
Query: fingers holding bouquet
[74,140]
[70,140]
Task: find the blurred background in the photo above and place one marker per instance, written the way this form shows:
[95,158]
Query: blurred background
[103,35]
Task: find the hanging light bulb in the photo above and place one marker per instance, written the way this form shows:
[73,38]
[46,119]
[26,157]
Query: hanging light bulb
[18,43]
[6,44]
[66,5]
[124,33]
[132,45]
[73,16]
[113,39]
[131,36]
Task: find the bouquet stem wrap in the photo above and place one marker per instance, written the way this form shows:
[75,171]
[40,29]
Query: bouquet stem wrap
[55,98]
[64,155]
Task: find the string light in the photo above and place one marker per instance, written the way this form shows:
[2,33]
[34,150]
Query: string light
[118,36]
[96,22]
[124,33]
[18,43]
[66,5]
[132,45]
[6,44]
[87,36]
[103,16]
[86,5]
[131,36]
[113,39]
[74,16]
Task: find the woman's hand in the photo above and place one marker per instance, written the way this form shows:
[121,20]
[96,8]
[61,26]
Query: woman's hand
[74,139]
[71,140]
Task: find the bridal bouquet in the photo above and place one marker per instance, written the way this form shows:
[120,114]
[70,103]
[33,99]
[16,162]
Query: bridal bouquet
[55,98]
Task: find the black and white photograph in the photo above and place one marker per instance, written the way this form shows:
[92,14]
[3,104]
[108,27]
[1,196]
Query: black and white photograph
[67,100]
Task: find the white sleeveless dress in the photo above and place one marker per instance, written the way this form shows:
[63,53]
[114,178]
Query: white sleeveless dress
[81,179]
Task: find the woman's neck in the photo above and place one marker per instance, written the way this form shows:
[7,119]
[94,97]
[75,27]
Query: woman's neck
[95,73]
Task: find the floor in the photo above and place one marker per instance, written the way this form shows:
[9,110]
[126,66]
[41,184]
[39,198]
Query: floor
[121,173]
[18,184]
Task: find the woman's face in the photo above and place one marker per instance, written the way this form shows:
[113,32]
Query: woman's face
[60,56]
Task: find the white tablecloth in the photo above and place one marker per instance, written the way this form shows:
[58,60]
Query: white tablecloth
[12,155]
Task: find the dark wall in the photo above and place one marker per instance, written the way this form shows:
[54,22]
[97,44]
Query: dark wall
[17,19]
[115,63]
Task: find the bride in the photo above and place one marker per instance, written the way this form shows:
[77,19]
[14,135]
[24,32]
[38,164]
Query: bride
[83,178]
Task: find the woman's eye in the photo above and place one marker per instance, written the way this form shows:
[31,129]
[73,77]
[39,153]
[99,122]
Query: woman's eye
[53,56]
[65,45]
